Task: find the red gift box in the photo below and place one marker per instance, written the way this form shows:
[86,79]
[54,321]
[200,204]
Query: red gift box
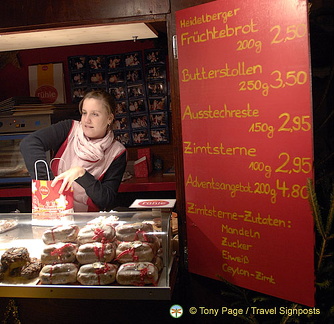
[141,168]
[146,152]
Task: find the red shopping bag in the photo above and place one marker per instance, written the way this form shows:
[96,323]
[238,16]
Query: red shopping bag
[47,204]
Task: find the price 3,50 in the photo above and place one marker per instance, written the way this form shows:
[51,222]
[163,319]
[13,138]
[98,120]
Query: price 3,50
[289,79]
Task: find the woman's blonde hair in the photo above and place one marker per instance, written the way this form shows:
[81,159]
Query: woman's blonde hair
[107,99]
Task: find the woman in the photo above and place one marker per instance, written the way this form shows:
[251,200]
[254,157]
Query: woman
[90,158]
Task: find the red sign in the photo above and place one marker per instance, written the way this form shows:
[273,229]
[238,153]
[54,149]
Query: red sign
[247,144]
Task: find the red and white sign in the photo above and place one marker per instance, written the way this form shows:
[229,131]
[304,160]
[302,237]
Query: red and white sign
[244,77]
[46,81]
[153,203]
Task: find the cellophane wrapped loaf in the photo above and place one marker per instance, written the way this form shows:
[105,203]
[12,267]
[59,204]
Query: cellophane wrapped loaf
[64,233]
[59,274]
[97,274]
[59,253]
[96,252]
[137,274]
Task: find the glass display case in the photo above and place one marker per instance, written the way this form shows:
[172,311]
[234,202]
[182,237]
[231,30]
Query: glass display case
[106,255]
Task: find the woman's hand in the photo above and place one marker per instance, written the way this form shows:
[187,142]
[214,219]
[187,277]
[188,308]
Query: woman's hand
[68,178]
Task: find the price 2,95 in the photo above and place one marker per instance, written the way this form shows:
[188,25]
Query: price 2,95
[294,165]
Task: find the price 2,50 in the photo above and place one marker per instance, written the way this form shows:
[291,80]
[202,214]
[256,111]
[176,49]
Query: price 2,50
[290,33]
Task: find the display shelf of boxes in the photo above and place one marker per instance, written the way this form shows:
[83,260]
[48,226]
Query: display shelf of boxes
[138,82]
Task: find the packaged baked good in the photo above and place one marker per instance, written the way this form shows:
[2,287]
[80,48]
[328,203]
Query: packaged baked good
[134,232]
[137,274]
[97,274]
[95,252]
[59,253]
[58,274]
[97,232]
[7,224]
[112,220]
[62,233]
[134,251]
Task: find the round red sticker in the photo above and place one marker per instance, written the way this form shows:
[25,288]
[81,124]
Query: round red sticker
[47,94]
[44,190]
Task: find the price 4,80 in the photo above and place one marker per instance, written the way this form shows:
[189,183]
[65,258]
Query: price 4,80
[294,191]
